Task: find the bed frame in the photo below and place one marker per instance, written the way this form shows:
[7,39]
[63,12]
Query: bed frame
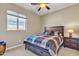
[39,50]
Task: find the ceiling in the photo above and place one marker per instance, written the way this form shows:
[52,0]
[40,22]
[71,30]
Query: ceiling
[54,7]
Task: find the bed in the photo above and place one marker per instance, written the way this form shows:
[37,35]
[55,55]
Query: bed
[46,44]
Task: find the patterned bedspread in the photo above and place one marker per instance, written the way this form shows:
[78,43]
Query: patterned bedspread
[52,43]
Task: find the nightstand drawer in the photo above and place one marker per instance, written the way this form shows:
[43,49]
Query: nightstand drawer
[71,43]
[74,46]
[71,40]
[66,43]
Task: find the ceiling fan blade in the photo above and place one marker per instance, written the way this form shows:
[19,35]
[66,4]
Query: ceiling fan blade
[47,7]
[39,9]
[34,3]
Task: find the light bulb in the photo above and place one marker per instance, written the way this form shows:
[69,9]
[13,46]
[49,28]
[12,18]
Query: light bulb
[43,5]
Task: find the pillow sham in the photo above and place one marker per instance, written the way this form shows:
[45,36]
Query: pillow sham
[48,33]
[44,33]
[57,33]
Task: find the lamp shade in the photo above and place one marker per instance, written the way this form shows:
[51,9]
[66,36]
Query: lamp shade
[70,31]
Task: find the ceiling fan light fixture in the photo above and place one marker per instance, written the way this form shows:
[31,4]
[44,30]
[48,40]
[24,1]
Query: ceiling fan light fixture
[43,5]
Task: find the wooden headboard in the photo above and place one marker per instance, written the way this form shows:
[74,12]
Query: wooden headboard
[57,28]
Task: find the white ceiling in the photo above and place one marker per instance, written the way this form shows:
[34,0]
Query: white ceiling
[54,7]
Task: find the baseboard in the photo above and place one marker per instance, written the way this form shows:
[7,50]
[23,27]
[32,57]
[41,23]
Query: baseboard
[13,47]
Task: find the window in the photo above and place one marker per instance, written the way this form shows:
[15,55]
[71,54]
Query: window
[21,23]
[16,21]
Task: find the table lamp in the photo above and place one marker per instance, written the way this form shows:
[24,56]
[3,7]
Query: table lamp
[70,31]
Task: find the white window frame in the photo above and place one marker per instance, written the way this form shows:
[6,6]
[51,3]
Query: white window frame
[19,17]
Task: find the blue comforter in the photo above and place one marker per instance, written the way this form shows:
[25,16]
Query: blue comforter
[34,39]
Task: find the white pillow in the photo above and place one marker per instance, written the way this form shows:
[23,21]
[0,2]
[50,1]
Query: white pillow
[56,32]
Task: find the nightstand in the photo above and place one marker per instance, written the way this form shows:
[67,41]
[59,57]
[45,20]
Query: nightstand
[71,43]
[2,47]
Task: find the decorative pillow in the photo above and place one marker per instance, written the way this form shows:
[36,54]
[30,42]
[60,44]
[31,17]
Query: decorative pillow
[52,33]
[57,33]
[46,33]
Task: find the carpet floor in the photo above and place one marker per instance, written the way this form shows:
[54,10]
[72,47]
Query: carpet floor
[20,51]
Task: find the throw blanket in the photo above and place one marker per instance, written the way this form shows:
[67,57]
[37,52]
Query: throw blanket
[52,43]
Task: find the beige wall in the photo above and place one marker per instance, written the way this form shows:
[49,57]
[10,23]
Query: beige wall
[68,17]
[16,37]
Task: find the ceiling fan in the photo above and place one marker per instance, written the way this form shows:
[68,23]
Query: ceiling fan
[41,5]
